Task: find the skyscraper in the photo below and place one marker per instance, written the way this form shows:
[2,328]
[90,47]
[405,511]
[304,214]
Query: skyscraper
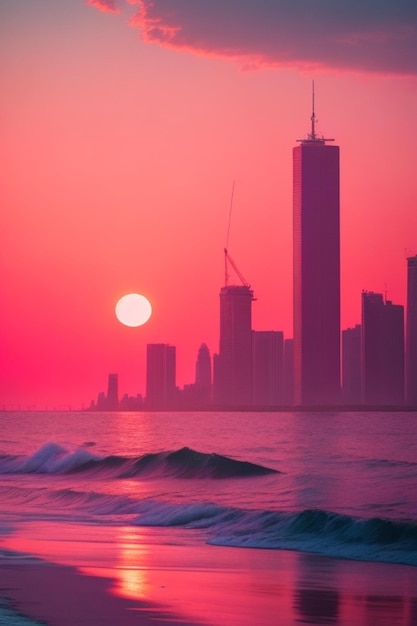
[112,399]
[288,398]
[233,366]
[203,375]
[268,367]
[411,334]
[351,365]
[316,250]
[160,375]
[382,351]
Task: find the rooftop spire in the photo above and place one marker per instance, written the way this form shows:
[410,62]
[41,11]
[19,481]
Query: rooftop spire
[313,137]
[313,117]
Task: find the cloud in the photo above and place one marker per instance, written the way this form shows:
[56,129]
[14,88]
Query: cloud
[362,35]
[108,6]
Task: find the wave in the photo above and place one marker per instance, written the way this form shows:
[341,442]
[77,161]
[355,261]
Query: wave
[9,615]
[327,533]
[390,463]
[312,530]
[66,504]
[52,458]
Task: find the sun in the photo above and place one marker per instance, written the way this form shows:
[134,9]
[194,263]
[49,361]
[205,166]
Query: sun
[133,310]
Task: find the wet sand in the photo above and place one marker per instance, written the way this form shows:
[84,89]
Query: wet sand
[61,596]
[142,576]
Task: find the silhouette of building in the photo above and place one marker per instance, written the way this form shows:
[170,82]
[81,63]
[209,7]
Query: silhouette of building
[131,403]
[112,399]
[101,404]
[316,251]
[203,375]
[288,372]
[351,365]
[411,333]
[382,351]
[161,391]
[268,367]
[233,365]
[109,402]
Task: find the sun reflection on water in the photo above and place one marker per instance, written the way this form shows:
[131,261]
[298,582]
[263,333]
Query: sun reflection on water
[131,570]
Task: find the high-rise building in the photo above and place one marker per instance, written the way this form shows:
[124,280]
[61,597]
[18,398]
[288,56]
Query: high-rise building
[268,367]
[233,366]
[109,401]
[351,365]
[203,375]
[288,372]
[411,334]
[160,375]
[382,351]
[112,399]
[316,250]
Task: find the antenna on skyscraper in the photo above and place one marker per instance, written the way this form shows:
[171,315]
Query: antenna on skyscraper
[313,117]
[312,137]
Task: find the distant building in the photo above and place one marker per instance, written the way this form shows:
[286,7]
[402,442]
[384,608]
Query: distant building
[316,268]
[382,351]
[411,334]
[203,375]
[112,399]
[161,391]
[351,365]
[109,401]
[233,366]
[131,403]
[288,398]
[268,367]
[101,404]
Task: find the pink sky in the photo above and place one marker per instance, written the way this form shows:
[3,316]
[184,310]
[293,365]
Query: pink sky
[122,133]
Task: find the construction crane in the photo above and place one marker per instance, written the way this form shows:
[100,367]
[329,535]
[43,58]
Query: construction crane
[227,258]
[229,261]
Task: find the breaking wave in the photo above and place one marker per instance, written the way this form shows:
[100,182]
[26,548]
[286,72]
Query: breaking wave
[312,530]
[52,458]
[326,533]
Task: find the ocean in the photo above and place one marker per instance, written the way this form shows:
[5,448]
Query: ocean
[311,516]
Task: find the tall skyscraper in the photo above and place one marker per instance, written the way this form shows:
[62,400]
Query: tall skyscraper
[160,375]
[233,366]
[411,334]
[382,351]
[268,367]
[351,365]
[316,250]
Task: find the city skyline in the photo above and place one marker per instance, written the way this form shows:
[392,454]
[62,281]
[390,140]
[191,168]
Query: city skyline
[120,153]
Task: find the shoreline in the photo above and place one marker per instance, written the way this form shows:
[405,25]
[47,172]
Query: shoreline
[127,576]
[61,595]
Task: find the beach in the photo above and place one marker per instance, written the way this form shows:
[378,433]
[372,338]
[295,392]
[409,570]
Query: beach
[98,576]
